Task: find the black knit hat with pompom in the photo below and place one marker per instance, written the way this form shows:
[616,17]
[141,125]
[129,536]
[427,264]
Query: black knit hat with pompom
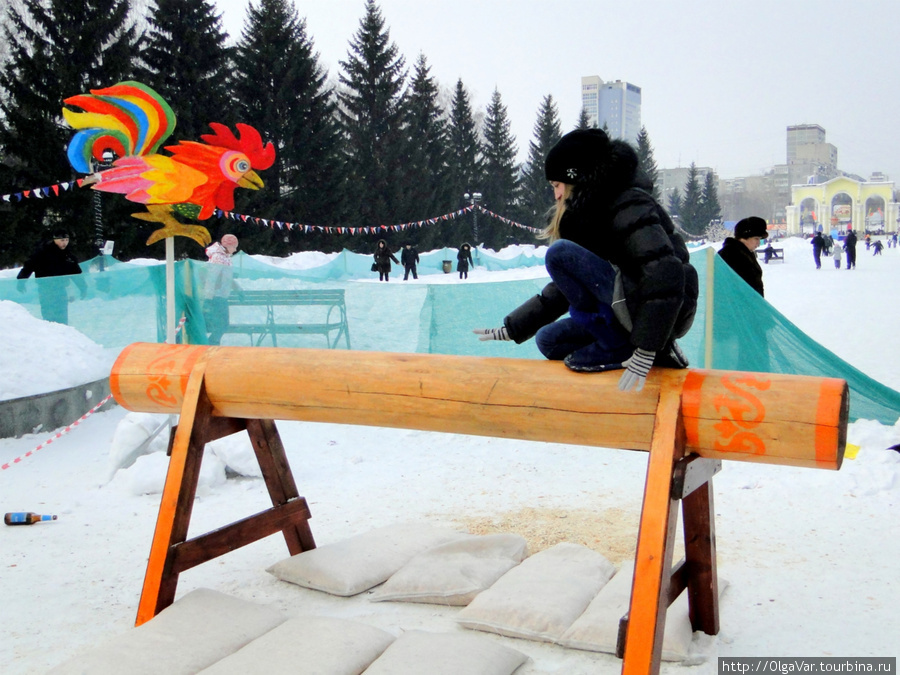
[577,156]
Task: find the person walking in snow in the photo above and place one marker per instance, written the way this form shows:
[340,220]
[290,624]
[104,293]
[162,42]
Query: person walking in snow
[383,257]
[463,260]
[617,267]
[409,257]
[739,251]
[836,255]
[878,247]
[53,263]
[850,248]
[818,243]
[219,282]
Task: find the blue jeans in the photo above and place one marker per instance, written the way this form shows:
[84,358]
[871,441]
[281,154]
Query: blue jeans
[587,281]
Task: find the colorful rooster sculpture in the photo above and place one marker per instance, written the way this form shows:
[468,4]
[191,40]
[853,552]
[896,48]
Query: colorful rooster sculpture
[134,121]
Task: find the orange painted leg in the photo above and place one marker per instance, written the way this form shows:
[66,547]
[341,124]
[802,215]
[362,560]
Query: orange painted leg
[177,497]
[656,536]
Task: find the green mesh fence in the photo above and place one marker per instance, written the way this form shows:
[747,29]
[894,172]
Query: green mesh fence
[125,303]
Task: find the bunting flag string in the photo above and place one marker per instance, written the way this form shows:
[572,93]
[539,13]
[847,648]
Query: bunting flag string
[341,229]
[41,192]
[507,221]
[59,188]
[380,229]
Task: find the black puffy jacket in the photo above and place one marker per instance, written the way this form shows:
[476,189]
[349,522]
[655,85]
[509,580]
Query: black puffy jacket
[632,231]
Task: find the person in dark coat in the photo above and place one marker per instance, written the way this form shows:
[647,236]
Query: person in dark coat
[383,257]
[409,257]
[818,243]
[608,234]
[850,248]
[739,251]
[463,260]
[51,261]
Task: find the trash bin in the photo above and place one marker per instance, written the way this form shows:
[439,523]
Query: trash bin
[448,266]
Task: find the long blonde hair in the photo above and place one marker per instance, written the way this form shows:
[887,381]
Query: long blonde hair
[555,214]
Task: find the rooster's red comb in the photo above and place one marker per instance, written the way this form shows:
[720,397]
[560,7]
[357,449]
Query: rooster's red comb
[250,143]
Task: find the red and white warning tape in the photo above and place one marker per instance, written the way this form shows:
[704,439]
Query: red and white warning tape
[179,326]
[58,434]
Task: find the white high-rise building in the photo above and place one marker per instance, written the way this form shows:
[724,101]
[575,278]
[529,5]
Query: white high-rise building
[617,105]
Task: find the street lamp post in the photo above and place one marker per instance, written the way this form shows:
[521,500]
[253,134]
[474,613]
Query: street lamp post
[473,199]
[108,157]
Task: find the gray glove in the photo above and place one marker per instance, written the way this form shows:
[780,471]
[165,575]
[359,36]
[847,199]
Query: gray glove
[485,334]
[636,369]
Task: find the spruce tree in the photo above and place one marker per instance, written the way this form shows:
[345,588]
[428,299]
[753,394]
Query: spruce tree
[186,60]
[584,121]
[280,90]
[57,49]
[709,199]
[429,192]
[372,119]
[674,205]
[646,161]
[466,168]
[537,195]
[501,174]
[691,204]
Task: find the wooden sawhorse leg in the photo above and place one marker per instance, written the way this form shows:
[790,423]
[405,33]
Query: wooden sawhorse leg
[671,477]
[171,553]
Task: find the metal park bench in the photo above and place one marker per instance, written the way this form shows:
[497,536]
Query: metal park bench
[769,254]
[334,326]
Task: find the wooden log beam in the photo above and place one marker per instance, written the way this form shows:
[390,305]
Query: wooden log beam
[755,417]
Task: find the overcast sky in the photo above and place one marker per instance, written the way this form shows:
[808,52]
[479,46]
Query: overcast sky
[720,81]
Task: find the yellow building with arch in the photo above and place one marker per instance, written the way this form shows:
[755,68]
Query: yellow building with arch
[840,203]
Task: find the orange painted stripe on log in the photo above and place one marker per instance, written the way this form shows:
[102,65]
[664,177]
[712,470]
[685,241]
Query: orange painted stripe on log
[834,394]
[114,387]
[174,360]
[691,397]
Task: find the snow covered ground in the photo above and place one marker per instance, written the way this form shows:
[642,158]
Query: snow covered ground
[811,556]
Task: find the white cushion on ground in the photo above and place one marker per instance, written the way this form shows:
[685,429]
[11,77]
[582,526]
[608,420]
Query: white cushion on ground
[313,645]
[357,564]
[455,572]
[598,628]
[199,629]
[543,596]
[418,652]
